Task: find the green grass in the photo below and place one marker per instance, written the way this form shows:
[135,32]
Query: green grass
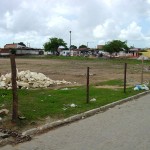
[37,104]
[125,60]
[111,82]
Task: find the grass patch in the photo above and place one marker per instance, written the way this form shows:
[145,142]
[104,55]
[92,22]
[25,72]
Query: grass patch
[111,82]
[38,104]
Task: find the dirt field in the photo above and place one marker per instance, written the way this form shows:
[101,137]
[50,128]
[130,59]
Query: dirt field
[75,70]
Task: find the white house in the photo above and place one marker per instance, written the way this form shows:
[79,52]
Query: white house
[65,53]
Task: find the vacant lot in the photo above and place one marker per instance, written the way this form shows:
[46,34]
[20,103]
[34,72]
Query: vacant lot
[38,105]
[75,70]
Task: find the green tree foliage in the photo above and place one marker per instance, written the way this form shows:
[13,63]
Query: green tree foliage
[53,44]
[115,46]
[21,43]
[73,47]
[132,47]
[82,46]
[13,51]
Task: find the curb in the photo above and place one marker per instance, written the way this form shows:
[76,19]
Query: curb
[41,129]
[34,131]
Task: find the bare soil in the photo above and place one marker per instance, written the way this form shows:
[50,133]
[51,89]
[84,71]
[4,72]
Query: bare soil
[75,70]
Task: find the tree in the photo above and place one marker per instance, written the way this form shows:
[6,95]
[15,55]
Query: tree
[82,46]
[53,44]
[115,46]
[132,47]
[13,51]
[73,47]
[22,44]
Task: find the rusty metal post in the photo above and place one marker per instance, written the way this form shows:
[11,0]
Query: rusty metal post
[87,86]
[125,72]
[14,89]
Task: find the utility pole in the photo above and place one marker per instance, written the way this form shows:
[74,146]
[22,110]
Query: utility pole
[70,43]
[88,43]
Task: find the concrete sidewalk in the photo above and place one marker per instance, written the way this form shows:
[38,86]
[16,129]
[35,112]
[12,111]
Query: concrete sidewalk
[124,127]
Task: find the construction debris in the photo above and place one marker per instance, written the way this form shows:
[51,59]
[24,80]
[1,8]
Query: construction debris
[142,57]
[93,100]
[4,111]
[141,87]
[28,79]
[73,105]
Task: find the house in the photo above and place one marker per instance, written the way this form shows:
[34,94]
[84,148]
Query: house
[29,51]
[20,49]
[4,52]
[100,47]
[15,45]
[10,46]
[134,51]
[65,53]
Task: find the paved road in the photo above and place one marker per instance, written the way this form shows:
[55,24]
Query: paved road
[124,127]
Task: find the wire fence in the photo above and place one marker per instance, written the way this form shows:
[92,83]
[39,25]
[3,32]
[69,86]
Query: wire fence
[74,71]
[112,73]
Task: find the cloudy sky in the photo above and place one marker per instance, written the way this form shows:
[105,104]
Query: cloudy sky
[92,21]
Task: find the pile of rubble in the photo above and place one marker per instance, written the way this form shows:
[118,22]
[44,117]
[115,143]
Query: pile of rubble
[143,57]
[28,79]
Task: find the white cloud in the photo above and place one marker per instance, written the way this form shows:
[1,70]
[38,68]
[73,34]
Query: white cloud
[109,3]
[31,37]
[93,20]
[107,30]
[101,42]
[148,1]
[58,21]
[132,32]
[8,20]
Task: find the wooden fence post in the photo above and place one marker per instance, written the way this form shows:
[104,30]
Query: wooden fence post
[142,70]
[14,89]
[125,72]
[87,86]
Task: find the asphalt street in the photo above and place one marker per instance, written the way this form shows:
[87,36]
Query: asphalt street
[124,127]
